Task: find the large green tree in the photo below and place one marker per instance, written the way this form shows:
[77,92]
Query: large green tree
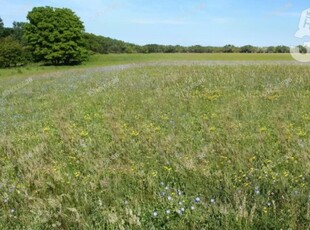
[54,35]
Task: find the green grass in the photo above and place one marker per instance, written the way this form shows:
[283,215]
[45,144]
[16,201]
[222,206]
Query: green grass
[112,59]
[117,59]
[96,150]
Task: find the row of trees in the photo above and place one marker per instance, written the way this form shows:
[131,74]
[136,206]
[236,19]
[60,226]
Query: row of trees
[104,45]
[56,36]
[153,48]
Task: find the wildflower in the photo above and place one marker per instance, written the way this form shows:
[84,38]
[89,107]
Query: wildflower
[82,143]
[257,192]
[265,210]
[12,210]
[168,212]
[167,188]
[12,188]
[193,207]
[167,168]
[155,214]
[268,204]
[169,198]
[180,203]
[165,117]
[179,211]
[212,201]
[5,200]
[212,129]
[163,193]
[157,129]
[135,133]
[83,133]
[77,174]
[179,193]
[162,183]
[46,129]
[87,117]
[301,133]
[182,209]
[197,199]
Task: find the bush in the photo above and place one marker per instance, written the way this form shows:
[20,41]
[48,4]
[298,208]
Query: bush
[11,52]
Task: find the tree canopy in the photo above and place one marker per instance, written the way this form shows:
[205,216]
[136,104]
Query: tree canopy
[55,35]
[11,52]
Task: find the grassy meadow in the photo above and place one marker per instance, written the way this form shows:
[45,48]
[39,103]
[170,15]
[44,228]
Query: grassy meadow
[118,59]
[156,147]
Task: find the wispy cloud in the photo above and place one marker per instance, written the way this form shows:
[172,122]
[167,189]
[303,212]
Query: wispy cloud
[157,22]
[284,14]
[284,11]
[222,20]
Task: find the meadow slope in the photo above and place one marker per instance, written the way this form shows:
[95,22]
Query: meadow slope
[187,145]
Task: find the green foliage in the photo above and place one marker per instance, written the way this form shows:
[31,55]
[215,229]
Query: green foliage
[248,49]
[282,49]
[18,31]
[230,49]
[1,27]
[11,52]
[105,45]
[303,49]
[4,31]
[54,35]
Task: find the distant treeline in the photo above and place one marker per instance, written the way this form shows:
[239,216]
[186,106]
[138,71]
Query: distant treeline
[105,45]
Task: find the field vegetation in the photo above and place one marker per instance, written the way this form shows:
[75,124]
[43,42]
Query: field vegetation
[156,147]
[99,60]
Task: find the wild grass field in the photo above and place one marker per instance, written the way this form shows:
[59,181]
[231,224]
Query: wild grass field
[118,59]
[157,147]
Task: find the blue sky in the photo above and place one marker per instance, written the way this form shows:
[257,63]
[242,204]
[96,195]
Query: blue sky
[184,22]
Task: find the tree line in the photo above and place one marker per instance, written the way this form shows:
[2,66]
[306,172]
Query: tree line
[57,36]
[105,45]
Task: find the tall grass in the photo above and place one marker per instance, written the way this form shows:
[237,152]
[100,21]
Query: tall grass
[117,59]
[174,147]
